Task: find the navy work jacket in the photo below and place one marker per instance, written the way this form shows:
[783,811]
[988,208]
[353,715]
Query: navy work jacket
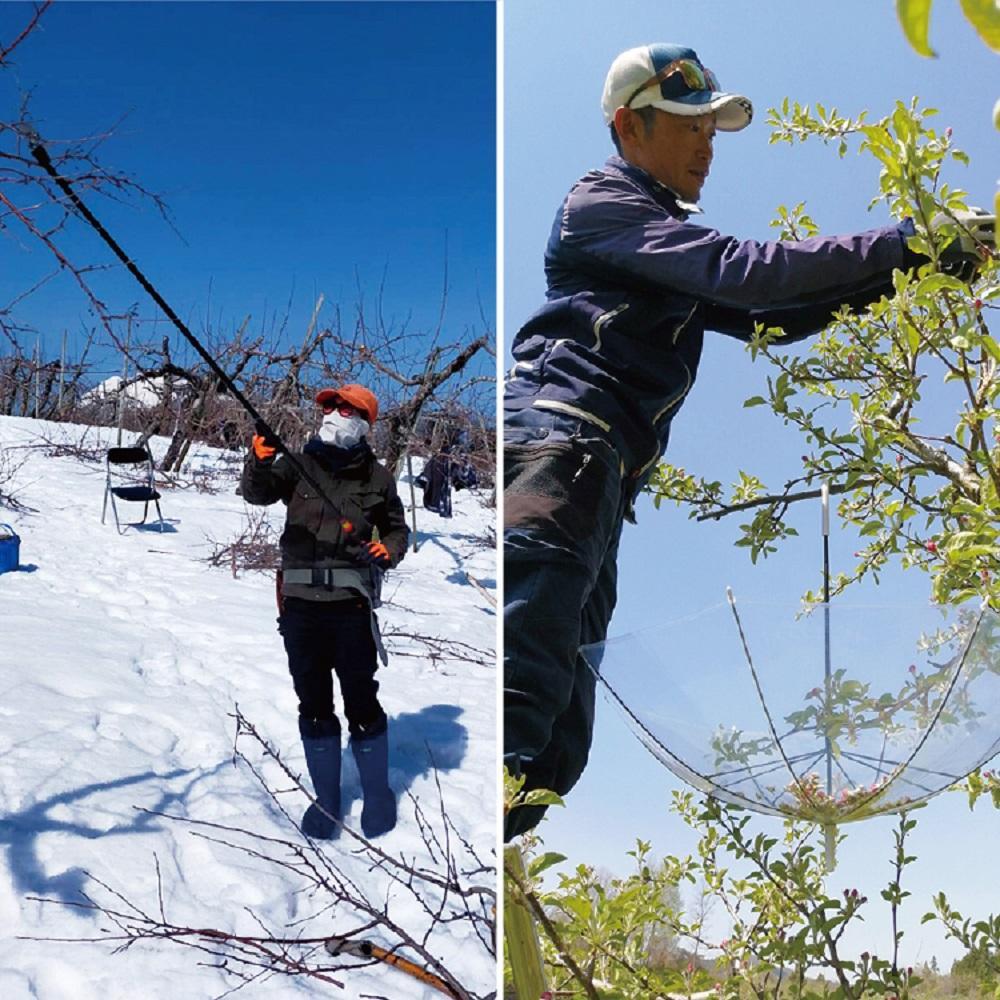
[633,285]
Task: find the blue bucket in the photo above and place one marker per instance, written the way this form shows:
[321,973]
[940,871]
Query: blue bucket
[10,548]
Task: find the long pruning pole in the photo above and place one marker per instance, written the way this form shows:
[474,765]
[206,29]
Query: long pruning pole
[520,934]
[62,373]
[828,832]
[41,155]
[38,373]
[122,389]
[39,152]
[413,498]
[828,676]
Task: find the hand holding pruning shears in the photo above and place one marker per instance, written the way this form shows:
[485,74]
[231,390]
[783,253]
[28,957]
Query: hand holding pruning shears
[975,240]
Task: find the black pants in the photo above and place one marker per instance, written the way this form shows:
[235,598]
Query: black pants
[564,501]
[327,637]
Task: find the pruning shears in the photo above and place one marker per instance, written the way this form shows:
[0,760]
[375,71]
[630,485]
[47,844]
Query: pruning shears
[369,950]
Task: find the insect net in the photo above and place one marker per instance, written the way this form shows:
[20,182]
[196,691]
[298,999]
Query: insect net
[830,713]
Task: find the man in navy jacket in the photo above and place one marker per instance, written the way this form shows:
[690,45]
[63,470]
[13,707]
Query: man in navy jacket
[605,364]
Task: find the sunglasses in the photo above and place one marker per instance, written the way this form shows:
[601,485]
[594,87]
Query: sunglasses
[692,76]
[344,409]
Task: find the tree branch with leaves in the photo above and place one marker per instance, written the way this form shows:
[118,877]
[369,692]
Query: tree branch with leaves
[921,489]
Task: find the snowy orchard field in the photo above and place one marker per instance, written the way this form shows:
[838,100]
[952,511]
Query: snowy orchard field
[121,661]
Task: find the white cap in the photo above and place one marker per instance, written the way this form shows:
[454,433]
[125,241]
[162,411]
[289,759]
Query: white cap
[672,78]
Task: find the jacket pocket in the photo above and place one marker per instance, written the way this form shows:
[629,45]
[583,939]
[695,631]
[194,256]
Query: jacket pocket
[306,509]
[563,489]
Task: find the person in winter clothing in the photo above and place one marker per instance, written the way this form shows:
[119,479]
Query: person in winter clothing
[331,565]
[602,368]
[436,482]
[440,475]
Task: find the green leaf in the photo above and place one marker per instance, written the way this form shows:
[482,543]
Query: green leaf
[991,347]
[984,16]
[579,907]
[914,17]
[541,797]
[546,860]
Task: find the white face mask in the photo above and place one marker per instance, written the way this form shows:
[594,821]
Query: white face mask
[342,432]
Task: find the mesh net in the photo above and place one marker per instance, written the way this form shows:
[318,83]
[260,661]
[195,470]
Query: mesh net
[832,713]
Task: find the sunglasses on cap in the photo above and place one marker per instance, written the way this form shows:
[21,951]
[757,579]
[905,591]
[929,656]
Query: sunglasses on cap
[693,76]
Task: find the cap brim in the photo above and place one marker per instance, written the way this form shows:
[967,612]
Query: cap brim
[733,112]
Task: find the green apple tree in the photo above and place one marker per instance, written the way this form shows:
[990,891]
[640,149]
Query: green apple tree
[897,405]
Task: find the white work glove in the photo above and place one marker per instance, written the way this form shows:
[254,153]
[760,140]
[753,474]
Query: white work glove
[975,231]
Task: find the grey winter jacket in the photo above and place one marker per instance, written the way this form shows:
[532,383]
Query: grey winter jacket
[633,285]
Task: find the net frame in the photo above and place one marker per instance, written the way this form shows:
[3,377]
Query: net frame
[814,807]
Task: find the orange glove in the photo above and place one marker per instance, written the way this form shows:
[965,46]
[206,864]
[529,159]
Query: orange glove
[376,552]
[261,448]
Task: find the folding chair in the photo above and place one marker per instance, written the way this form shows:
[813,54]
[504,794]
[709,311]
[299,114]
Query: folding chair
[135,486]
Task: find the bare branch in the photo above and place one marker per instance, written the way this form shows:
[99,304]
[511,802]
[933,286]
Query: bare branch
[6,50]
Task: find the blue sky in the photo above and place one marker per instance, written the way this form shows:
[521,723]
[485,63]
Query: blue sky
[852,56]
[301,148]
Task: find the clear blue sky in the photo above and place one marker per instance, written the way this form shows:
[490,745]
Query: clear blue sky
[301,148]
[851,55]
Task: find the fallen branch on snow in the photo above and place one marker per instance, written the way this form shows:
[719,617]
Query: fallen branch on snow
[452,887]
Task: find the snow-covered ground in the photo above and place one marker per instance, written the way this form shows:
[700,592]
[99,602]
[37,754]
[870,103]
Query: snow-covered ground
[121,661]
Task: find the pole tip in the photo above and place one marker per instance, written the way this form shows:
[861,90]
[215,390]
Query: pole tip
[830,848]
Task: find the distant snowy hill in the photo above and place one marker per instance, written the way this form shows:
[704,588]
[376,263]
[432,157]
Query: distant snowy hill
[145,391]
[121,661]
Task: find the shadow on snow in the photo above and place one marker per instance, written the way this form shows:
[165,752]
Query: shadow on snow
[418,743]
[19,833]
[458,574]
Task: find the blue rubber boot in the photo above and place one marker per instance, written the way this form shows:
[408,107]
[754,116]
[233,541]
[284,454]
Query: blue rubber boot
[378,814]
[321,740]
